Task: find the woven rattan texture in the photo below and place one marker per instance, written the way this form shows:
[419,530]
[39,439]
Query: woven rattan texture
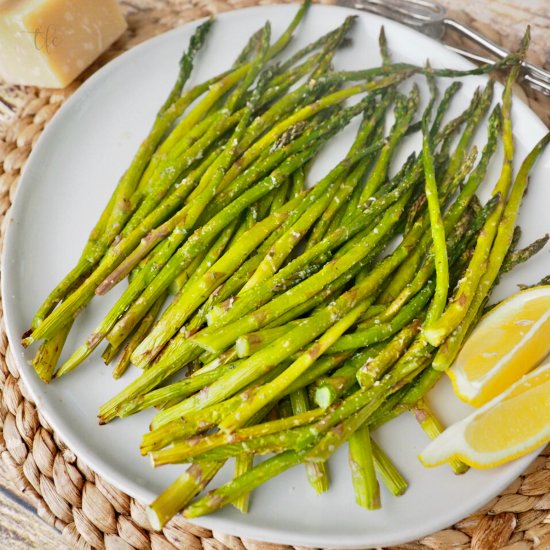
[89,512]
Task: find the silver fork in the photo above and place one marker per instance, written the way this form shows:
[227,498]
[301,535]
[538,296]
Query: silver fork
[431,19]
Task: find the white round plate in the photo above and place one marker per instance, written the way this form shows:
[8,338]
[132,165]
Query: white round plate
[68,179]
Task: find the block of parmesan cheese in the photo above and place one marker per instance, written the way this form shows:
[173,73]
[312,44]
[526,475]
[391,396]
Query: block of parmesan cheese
[50,42]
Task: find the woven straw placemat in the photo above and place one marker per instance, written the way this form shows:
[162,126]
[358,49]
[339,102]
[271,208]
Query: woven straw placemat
[89,512]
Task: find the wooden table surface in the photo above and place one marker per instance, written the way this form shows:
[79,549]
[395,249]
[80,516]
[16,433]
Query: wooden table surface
[504,21]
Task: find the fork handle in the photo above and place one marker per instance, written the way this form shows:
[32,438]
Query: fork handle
[429,18]
[538,77]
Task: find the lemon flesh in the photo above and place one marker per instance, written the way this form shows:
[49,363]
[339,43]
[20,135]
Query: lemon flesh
[507,343]
[511,425]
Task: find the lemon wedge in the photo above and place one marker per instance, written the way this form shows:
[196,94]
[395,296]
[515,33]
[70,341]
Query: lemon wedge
[511,425]
[508,342]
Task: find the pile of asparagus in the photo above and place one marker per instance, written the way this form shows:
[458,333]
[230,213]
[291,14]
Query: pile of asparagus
[297,320]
